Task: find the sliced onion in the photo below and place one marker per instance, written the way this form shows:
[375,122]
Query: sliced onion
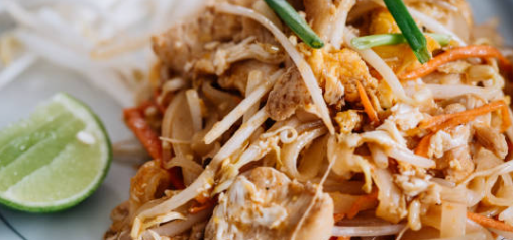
[303,67]
[368,231]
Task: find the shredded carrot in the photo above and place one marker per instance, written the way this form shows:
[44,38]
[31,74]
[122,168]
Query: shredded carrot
[362,203]
[479,51]
[423,146]
[450,120]
[367,105]
[344,238]
[489,222]
[134,118]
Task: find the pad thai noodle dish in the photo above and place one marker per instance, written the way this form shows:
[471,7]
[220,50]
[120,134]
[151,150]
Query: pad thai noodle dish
[323,119]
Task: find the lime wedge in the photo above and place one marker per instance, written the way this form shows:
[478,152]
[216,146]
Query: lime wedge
[54,159]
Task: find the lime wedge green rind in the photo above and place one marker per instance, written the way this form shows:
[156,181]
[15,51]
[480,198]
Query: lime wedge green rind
[55,170]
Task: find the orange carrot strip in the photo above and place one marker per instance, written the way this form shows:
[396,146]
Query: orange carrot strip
[150,140]
[344,238]
[488,222]
[454,54]
[449,120]
[423,146]
[362,202]
[367,105]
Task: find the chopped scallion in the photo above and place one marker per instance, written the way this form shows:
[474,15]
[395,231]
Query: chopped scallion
[295,22]
[392,39]
[409,29]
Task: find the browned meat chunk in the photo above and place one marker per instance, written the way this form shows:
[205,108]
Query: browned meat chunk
[288,94]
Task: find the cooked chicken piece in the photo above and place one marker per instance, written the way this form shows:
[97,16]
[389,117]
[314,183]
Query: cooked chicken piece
[198,39]
[457,164]
[289,93]
[445,140]
[405,116]
[348,120]
[411,184]
[492,139]
[323,14]
[220,59]
[237,76]
[183,44]
[265,204]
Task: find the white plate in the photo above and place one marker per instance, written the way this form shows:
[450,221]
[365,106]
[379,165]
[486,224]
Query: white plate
[90,219]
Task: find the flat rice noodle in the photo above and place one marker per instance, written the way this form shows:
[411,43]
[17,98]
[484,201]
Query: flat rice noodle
[470,194]
[392,206]
[503,194]
[290,152]
[312,159]
[454,219]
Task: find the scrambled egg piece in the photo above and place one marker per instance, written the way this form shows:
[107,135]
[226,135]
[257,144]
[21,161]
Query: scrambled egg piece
[345,66]
[383,23]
